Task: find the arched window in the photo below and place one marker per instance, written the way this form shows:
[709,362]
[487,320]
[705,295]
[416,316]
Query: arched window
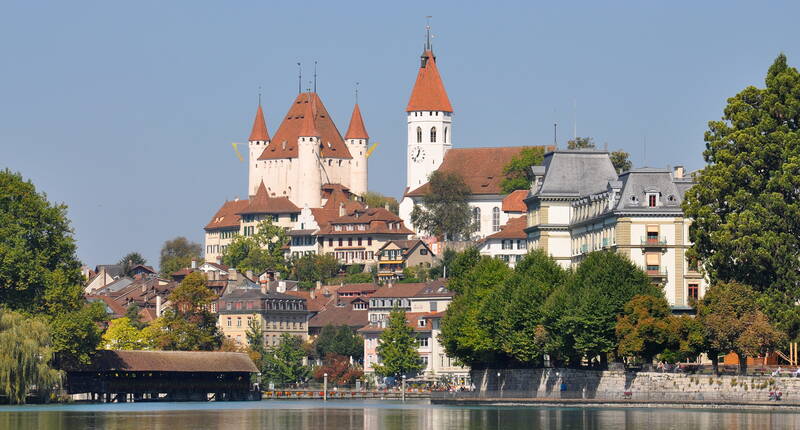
[476,218]
[433,134]
[419,134]
[496,219]
[444,137]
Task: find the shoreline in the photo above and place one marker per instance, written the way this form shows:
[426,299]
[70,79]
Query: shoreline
[628,404]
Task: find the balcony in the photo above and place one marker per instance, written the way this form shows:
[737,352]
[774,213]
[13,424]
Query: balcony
[654,241]
[656,273]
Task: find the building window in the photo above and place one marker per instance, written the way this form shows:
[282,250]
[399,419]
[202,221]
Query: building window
[496,219]
[434,305]
[420,322]
[694,291]
[330,241]
[444,135]
[349,241]
[340,241]
[433,134]
[507,244]
[522,244]
[229,322]
[423,251]
[238,322]
[369,241]
[476,218]
[423,341]
[294,217]
[651,200]
[419,134]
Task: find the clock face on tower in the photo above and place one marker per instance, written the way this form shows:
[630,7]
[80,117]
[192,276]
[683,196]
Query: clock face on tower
[417,155]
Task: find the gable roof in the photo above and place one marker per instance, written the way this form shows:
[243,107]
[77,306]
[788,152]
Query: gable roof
[226,216]
[259,132]
[429,93]
[356,130]
[377,220]
[284,142]
[406,245]
[574,173]
[339,314]
[515,202]
[399,290]
[262,203]
[168,361]
[480,168]
[513,229]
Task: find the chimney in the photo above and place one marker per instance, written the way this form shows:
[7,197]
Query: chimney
[219,259]
[386,206]
[342,212]
[678,172]
[158,306]
[194,263]
[313,294]
[232,275]
[277,276]
[249,274]
[264,287]
[319,285]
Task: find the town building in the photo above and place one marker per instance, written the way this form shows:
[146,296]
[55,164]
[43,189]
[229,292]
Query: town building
[430,148]
[397,255]
[355,237]
[510,244]
[578,204]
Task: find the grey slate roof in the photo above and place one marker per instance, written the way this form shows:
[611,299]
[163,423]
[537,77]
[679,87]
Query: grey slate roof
[636,183]
[576,173]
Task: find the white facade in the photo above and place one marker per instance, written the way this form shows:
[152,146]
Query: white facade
[429,138]
[358,165]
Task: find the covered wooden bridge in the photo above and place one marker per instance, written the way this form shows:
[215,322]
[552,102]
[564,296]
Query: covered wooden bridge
[120,376]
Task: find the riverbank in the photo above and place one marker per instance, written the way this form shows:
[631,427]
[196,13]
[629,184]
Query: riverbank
[776,406]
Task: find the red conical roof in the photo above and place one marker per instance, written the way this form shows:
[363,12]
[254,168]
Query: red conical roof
[356,129]
[429,93]
[307,126]
[259,127]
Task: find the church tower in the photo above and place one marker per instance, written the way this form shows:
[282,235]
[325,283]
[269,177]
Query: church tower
[357,141]
[309,179]
[259,139]
[430,118]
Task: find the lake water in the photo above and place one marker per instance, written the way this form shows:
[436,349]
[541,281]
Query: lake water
[373,415]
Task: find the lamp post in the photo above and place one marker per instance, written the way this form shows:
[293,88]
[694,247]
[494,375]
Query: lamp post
[404,388]
[498,384]
[324,387]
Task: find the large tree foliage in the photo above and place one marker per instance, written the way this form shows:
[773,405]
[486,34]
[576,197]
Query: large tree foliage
[131,260]
[581,143]
[397,347]
[39,271]
[745,206]
[259,252]
[341,340]
[644,328]
[733,322]
[25,355]
[621,161]
[187,325]
[581,315]
[122,334]
[444,212]
[339,370]
[178,253]
[518,170]
[312,268]
[377,200]
[284,364]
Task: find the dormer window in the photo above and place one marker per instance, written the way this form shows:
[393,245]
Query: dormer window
[421,322]
[652,200]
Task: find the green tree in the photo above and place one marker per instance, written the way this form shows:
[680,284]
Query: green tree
[187,325]
[745,206]
[581,316]
[257,348]
[259,252]
[733,322]
[439,268]
[517,172]
[341,340]
[25,355]
[121,334]
[445,212]
[308,269]
[377,200]
[643,329]
[688,339]
[339,370]
[39,273]
[357,275]
[76,335]
[621,161]
[397,347]
[178,253]
[581,143]
[284,363]
[131,260]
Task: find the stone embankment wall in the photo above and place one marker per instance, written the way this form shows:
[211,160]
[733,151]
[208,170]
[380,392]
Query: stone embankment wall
[597,384]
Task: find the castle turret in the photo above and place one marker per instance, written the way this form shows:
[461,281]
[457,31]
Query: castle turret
[357,141]
[258,141]
[309,180]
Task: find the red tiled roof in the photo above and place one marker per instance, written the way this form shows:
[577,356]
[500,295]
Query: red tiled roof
[341,313]
[429,93]
[284,142]
[356,130]
[336,194]
[322,297]
[358,288]
[169,361]
[399,290]
[377,220]
[117,309]
[515,202]
[480,168]
[259,131]
[262,203]
[226,216]
[513,229]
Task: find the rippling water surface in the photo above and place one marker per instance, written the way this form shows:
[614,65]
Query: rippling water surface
[342,415]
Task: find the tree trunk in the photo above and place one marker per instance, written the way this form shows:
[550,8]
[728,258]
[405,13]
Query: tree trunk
[742,364]
[603,361]
[715,363]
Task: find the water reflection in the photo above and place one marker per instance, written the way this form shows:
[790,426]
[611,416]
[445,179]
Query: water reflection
[344,415]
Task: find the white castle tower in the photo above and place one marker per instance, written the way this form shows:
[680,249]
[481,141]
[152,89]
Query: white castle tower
[309,181]
[430,118]
[357,141]
[259,139]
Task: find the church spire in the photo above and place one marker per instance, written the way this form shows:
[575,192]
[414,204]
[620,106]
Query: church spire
[429,93]
[356,130]
[259,132]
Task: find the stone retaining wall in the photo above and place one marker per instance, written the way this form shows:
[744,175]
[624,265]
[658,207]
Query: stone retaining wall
[547,382]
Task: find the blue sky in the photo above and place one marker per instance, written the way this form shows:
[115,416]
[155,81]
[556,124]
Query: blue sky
[125,111]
